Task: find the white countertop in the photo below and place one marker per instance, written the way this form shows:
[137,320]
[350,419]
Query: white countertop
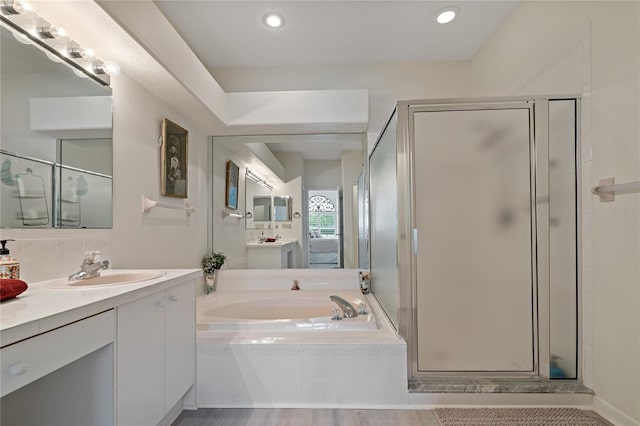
[278,243]
[40,309]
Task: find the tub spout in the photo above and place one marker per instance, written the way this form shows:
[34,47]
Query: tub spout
[348,311]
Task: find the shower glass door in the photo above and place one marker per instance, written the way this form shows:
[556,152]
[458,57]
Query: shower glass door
[473,177]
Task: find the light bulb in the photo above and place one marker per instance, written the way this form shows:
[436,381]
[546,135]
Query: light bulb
[106,67]
[111,68]
[447,15]
[51,32]
[78,52]
[273,20]
[12,7]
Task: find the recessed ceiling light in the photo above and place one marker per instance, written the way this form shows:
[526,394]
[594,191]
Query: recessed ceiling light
[447,15]
[273,20]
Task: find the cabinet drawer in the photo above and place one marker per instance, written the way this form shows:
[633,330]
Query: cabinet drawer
[28,360]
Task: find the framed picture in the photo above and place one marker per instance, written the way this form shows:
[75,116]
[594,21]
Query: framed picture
[174,160]
[232,185]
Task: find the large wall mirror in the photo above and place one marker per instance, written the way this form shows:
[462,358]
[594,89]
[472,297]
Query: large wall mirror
[56,142]
[281,170]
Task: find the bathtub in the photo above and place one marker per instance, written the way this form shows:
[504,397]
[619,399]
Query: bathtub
[281,310]
[260,344]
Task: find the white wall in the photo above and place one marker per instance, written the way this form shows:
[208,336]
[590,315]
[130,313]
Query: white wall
[162,238]
[293,163]
[589,48]
[324,174]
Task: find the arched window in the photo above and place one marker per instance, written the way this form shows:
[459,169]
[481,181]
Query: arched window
[320,203]
[322,217]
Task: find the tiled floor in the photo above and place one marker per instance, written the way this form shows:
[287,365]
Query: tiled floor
[312,417]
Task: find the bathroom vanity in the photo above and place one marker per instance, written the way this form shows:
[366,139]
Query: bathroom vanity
[276,255]
[109,354]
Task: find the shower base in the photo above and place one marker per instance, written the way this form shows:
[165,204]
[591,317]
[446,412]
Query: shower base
[496,385]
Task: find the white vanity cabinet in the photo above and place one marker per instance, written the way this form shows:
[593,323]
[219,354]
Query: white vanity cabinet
[279,255]
[155,354]
[62,376]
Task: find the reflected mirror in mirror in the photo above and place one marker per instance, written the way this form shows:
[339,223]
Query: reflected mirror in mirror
[282,209]
[260,196]
[56,128]
[261,209]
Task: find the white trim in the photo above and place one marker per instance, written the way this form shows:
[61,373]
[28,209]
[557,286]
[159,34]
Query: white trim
[612,414]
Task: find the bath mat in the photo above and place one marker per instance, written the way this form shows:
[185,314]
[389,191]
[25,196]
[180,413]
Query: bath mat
[514,417]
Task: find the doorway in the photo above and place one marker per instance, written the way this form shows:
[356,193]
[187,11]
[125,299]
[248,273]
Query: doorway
[324,246]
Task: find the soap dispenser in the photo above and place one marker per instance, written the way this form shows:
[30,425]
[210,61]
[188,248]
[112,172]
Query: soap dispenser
[9,267]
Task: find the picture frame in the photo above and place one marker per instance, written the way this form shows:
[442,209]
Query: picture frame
[233,173]
[174,160]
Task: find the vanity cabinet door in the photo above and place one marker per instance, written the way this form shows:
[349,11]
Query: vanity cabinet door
[140,361]
[156,349]
[180,342]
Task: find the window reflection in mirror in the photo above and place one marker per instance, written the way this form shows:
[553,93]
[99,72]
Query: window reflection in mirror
[56,127]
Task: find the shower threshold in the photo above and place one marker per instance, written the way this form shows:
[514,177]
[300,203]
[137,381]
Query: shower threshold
[496,385]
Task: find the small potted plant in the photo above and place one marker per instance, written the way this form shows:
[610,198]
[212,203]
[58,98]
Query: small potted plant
[211,262]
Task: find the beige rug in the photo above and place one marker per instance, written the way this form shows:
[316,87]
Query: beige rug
[514,417]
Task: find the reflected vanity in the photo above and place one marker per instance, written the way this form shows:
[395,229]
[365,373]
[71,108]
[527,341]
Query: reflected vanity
[268,212]
[56,156]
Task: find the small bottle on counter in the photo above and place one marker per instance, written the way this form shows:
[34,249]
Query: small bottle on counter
[364,282]
[9,267]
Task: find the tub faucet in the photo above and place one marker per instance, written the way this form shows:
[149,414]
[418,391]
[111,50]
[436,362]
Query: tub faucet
[348,311]
[90,267]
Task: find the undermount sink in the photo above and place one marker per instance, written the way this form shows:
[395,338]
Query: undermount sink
[107,279]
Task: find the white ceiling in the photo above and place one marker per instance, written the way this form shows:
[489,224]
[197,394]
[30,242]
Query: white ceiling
[231,33]
[316,147]
[227,34]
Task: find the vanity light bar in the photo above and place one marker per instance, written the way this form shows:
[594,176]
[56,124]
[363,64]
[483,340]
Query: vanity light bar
[12,7]
[50,32]
[257,179]
[28,26]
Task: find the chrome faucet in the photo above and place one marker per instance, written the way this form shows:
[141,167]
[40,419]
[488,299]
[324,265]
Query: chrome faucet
[348,311]
[90,267]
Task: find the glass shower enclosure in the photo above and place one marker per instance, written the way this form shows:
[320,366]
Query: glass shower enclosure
[480,198]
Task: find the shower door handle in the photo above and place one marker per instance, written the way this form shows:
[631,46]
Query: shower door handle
[415,241]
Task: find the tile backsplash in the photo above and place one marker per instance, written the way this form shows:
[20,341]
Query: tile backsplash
[53,253]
